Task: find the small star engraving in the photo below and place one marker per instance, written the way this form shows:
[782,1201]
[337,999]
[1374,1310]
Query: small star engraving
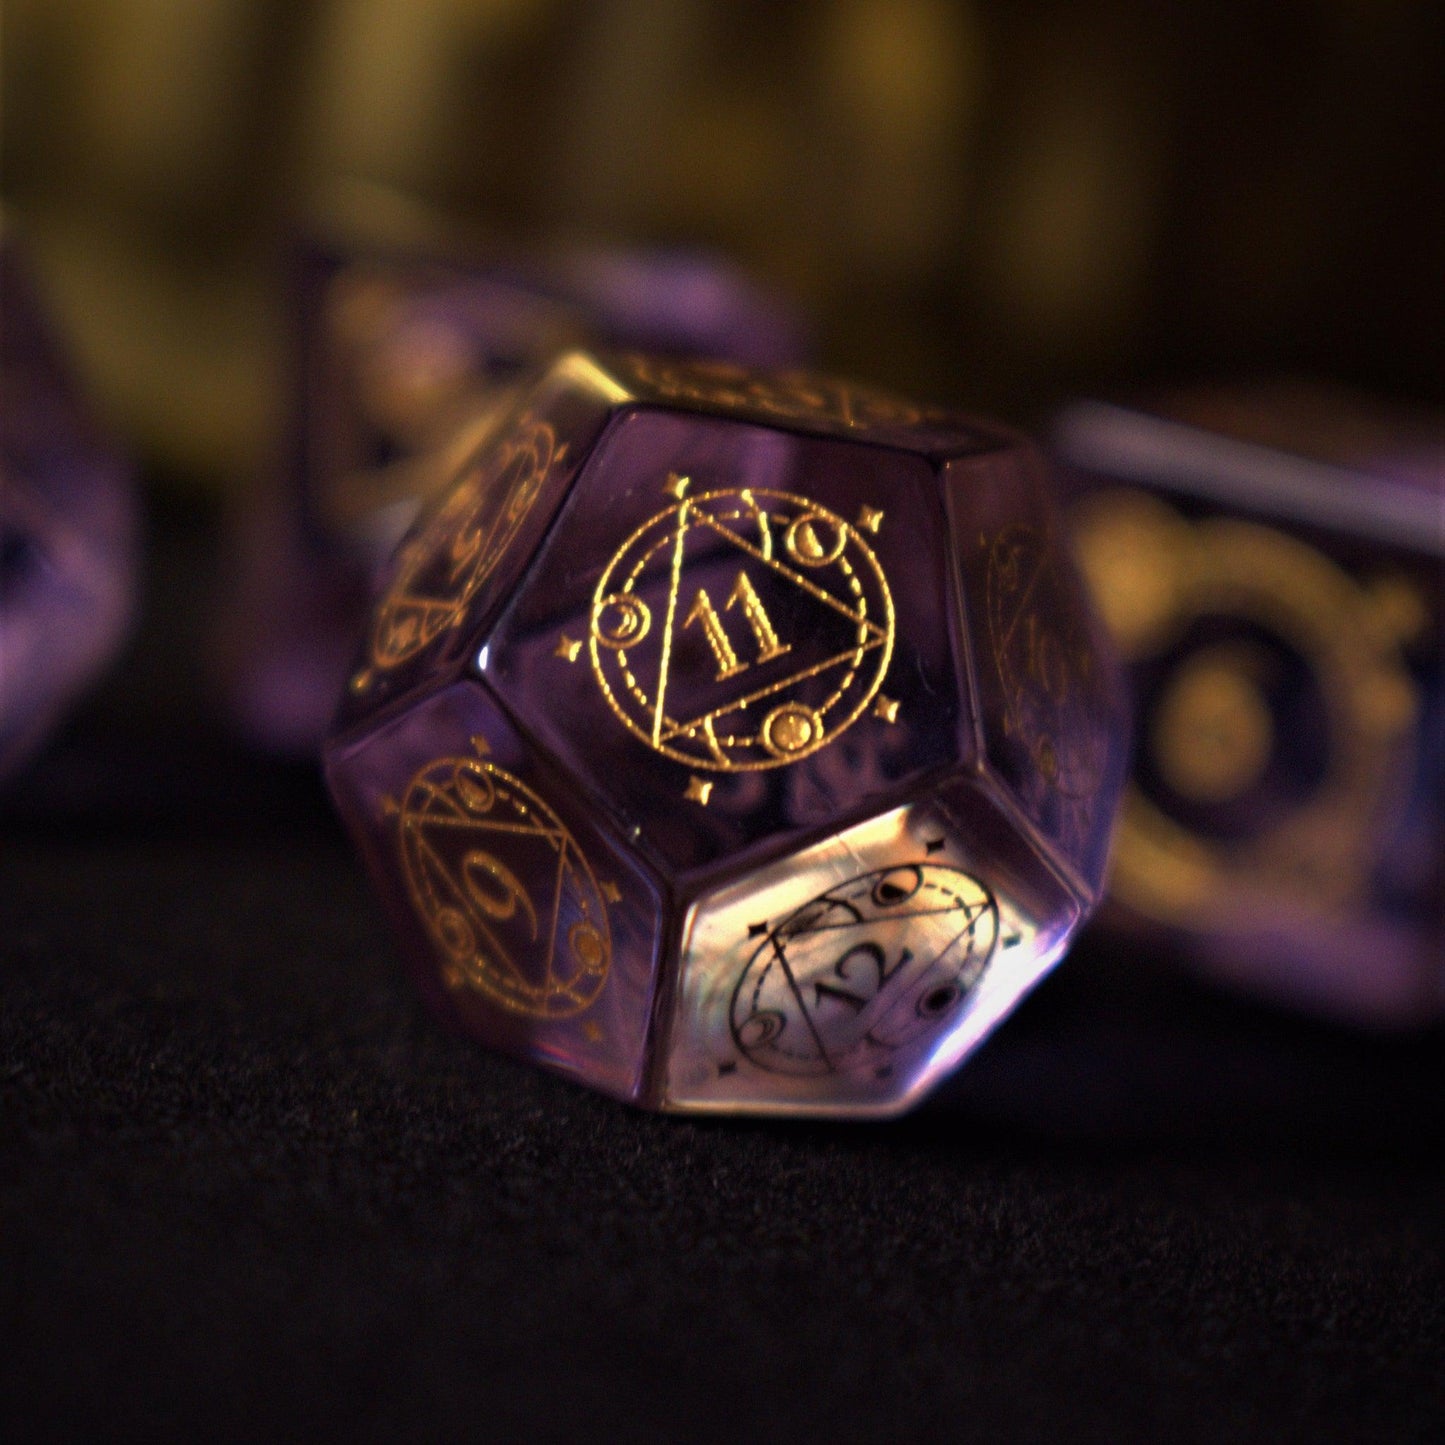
[869,519]
[567,648]
[361,680]
[886,709]
[699,790]
[610,892]
[676,486]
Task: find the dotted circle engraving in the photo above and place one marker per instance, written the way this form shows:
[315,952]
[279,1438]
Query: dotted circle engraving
[764,697]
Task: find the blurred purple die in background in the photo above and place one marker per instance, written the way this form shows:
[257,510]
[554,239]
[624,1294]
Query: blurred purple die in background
[68,527]
[1271,562]
[403,362]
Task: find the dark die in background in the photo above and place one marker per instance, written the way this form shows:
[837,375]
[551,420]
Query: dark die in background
[1270,560]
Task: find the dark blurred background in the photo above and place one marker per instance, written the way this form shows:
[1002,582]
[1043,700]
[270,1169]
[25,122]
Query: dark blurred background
[991,203]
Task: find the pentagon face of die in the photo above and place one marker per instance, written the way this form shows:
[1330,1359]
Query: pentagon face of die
[737,633]
[744,748]
[528,923]
[455,570]
[1050,699]
[851,977]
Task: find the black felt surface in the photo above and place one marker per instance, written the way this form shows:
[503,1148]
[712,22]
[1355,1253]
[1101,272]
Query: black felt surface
[248,1190]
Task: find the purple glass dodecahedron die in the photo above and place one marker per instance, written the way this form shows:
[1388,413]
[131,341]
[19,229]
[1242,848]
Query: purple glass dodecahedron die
[68,527]
[1271,563]
[734,741]
[403,362]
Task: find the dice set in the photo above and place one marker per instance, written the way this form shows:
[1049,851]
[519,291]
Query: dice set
[1271,564]
[68,526]
[731,740]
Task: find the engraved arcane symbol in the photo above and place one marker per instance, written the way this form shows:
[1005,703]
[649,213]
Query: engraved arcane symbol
[856,973]
[740,630]
[442,568]
[503,889]
[1044,661]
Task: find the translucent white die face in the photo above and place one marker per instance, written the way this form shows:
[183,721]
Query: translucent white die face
[849,978]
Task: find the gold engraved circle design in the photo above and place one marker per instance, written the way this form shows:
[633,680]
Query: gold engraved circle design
[503,890]
[442,567]
[1212,737]
[741,630]
[878,962]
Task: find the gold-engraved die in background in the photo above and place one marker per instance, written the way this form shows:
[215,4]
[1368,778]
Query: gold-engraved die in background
[747,746]
[1271,563]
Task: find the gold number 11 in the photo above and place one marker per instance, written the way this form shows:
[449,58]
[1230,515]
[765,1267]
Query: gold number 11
[743,595]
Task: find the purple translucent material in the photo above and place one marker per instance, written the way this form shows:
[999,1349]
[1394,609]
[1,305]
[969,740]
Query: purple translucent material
[743,657]
[887,663]
[450,576]
[1048,686]
[820,405]
[68,529]
[1272,565]
[403,365]
[528,924]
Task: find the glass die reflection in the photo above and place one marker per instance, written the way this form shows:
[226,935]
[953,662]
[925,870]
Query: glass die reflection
[734,740]
[1271,563]
[68,527]
[402,363]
